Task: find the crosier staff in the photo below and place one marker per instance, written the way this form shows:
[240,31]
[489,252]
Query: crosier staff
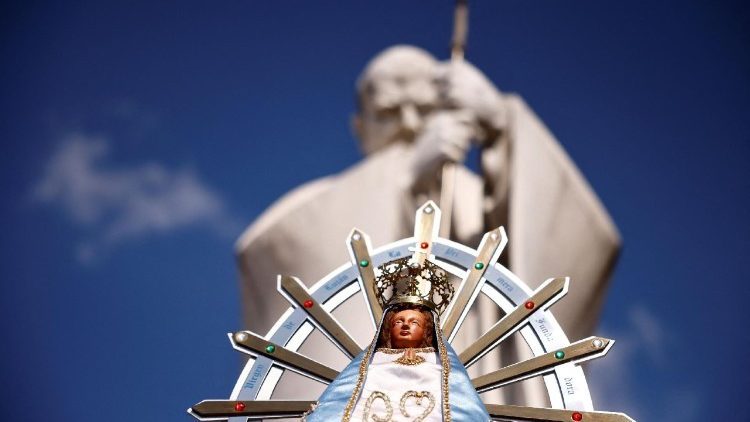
[448,180]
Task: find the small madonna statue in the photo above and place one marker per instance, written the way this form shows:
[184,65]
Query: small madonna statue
[409,372]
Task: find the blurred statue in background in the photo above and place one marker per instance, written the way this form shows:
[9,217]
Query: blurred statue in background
[415,115]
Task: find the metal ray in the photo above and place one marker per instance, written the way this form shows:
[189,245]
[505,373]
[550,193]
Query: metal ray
[426,225]
[582,350]
[523,413]
[548,293]
[253,344]
[266,409]
[295,291]
[490,247]
[359,250]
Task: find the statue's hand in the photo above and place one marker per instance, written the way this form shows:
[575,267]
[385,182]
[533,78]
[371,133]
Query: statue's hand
[463,86]
[410,354]
[445,137]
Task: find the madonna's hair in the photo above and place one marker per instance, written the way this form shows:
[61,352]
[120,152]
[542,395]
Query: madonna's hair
[429,329]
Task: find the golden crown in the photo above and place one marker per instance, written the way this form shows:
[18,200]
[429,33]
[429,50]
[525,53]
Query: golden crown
[405,281]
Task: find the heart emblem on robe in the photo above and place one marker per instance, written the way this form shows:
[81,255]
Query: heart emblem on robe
[388,407]
[418,400]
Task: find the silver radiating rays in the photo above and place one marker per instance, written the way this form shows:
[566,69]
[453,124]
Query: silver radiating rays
[526,312]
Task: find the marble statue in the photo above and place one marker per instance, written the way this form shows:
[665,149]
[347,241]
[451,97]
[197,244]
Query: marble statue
[415,115]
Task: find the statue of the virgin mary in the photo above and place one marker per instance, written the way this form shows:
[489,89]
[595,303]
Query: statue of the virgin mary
[409,372]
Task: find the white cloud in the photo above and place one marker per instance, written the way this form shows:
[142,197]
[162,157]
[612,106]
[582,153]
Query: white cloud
[641,346]
[125,203]
[649,333]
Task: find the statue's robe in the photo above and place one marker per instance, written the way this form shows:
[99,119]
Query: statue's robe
[555,223]
[446,389]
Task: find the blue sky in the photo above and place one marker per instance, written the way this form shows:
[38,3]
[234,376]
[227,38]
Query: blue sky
[138,139]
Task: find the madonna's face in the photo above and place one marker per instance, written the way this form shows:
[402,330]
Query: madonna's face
[407,329]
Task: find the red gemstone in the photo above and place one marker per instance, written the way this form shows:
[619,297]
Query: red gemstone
[424,245]
[530,305]
[239,406]
[308,304]
[576,416]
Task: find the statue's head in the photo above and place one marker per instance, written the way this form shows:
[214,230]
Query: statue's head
[394,93]
[410,293]
[407,326]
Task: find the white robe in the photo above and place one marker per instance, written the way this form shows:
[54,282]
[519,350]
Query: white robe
[389,382]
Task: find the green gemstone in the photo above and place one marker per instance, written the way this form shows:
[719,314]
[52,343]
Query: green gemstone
[559,354]
[364,263]
[270,348]
[479,265]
